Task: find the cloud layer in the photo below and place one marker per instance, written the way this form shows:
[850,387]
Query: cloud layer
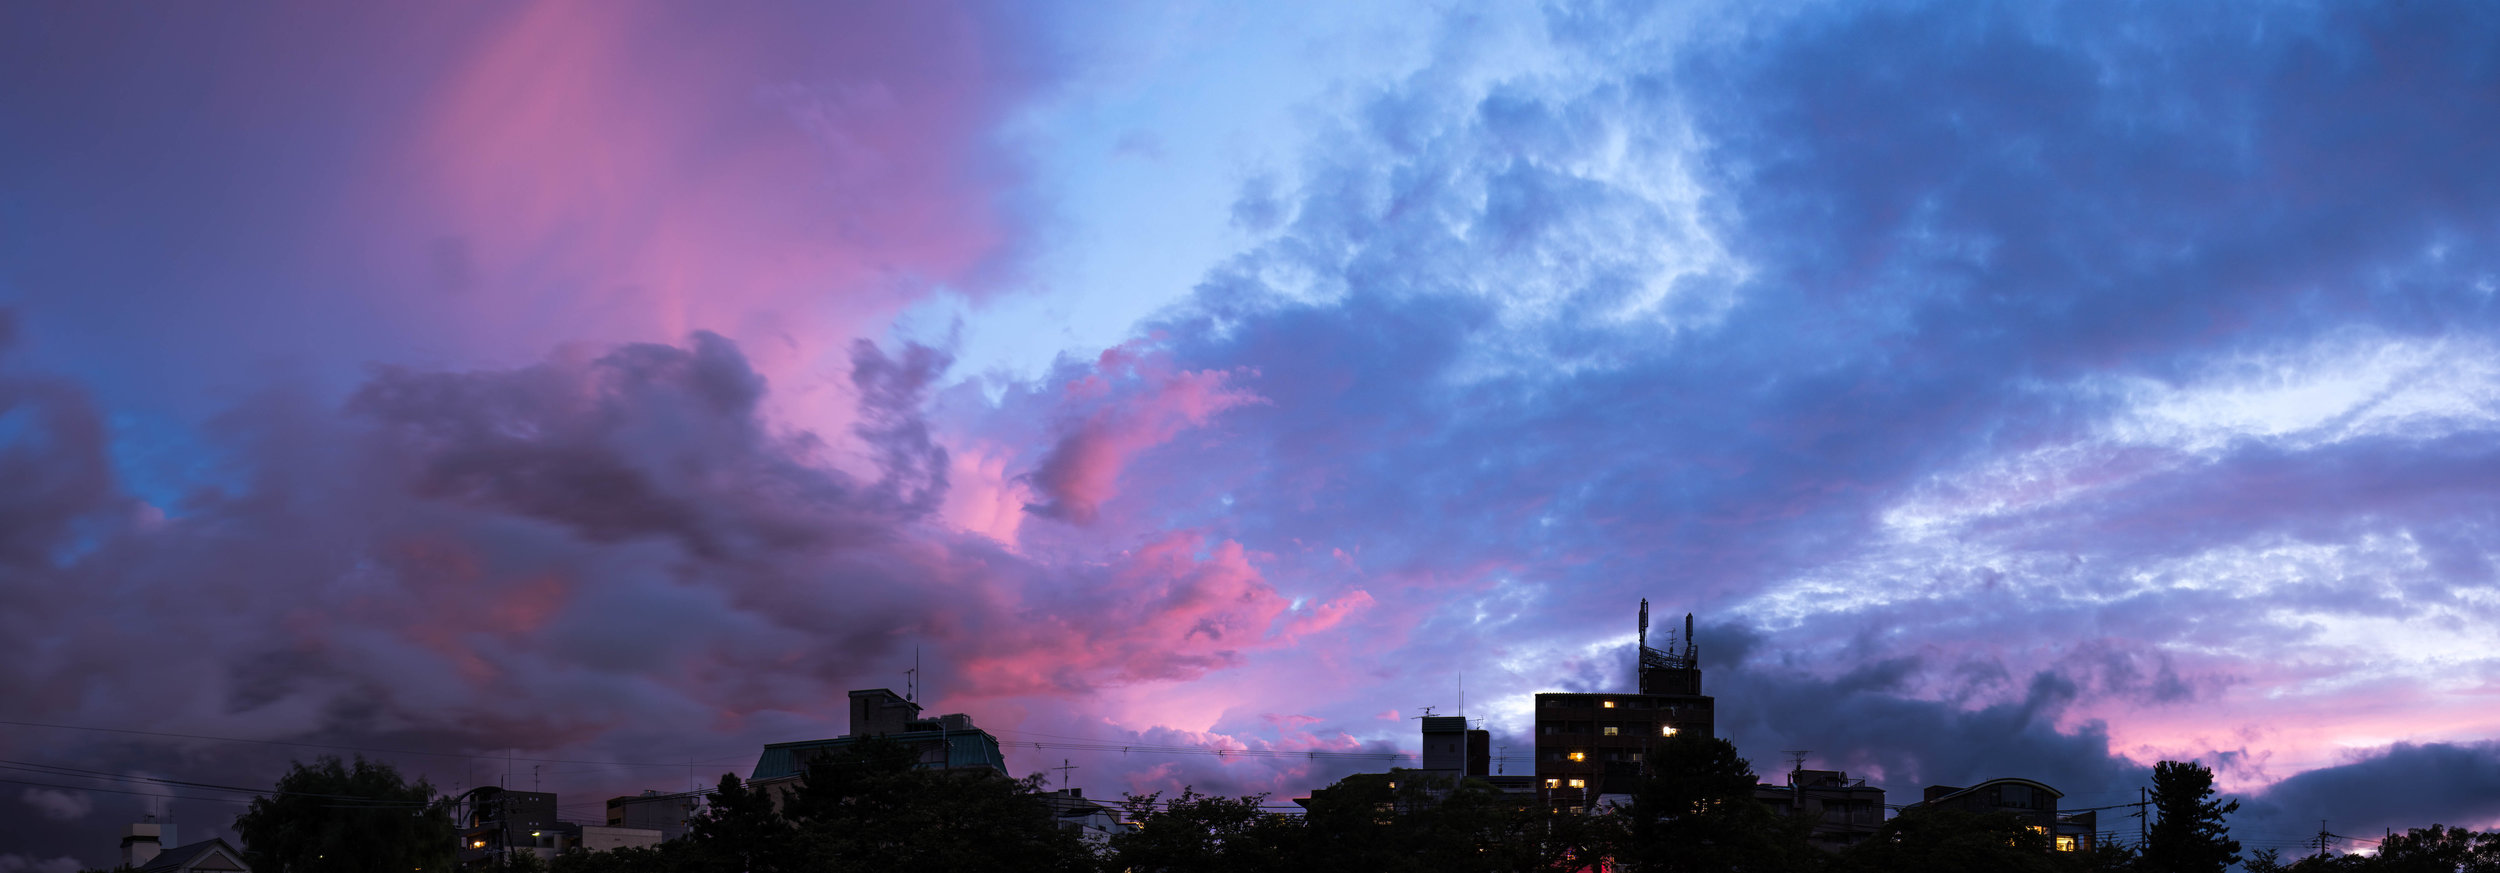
[2042,391]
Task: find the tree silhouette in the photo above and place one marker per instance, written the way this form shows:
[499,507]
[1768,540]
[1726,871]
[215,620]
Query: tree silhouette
[2188,835]
[1694,810]
[329,816]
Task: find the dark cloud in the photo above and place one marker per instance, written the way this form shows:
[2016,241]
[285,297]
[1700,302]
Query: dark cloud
[618,538]
[2406,785]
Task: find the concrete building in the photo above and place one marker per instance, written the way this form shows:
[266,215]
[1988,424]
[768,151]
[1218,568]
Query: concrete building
[1844,811]
[2034,802]
[669,814]
[947,742]
[602,838]
[495,823]
[1453,753]
[1589,745]
[1450,746]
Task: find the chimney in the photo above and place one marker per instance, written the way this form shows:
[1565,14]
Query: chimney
[141,842]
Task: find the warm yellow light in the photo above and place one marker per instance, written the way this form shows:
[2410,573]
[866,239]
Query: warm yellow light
[1553,783]
[1579,783]
[1610,704]
[478,844]
[1579,756]
[1610,730]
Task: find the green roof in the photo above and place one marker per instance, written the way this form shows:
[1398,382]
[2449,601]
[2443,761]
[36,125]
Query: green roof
[964,749]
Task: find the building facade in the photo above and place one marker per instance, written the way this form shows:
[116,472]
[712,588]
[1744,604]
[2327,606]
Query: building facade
[947,742]
[2034,802]
[1588,745]
[669,814]
[1843,812]
[496,823]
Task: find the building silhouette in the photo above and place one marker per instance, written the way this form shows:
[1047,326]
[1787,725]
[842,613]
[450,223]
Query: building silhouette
[1589,745]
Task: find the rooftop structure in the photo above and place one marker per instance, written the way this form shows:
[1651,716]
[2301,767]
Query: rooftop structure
[1584,742]
[1843,811]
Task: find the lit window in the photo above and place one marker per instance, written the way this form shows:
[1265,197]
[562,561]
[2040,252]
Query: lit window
[1610,730]
[1610,704]
[1579,783]
[1666,730]
[2065,844]
[477,844]
[1579,756]
[1553,783]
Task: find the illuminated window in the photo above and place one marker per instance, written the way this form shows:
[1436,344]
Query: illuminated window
[1579,783]
[476,844]
[1553,783]
[1610,704]
[1579,756]
[1666,730]
[2065,844]
[1610,730]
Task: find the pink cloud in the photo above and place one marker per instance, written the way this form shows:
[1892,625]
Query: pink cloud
[1172,609]
[606,172]
[1130,402]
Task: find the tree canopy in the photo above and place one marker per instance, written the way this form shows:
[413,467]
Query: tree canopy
[2188,834]
[332,816]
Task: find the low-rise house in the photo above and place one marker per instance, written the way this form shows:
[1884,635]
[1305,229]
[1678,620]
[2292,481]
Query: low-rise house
[210,856]
[2034,802]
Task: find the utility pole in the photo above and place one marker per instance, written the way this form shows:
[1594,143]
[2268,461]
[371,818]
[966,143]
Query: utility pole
[2143,815]
[1063,768]
[2322,837]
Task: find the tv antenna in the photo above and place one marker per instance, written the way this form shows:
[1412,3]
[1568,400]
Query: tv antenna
[1427,712]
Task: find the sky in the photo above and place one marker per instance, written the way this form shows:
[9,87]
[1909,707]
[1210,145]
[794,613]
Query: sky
[589,394]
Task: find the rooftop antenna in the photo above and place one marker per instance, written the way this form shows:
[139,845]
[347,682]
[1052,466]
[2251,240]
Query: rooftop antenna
[1462,694]
[1644,622]
[1796,759]
[1692,657]
[1064,766]
[1427,712]
[1500,754]
[911,677]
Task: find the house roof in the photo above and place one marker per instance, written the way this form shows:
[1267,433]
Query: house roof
[201,855]
[2007,780]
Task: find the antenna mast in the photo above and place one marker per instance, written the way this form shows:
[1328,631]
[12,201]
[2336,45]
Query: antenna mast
[1644,622]
[911,677]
